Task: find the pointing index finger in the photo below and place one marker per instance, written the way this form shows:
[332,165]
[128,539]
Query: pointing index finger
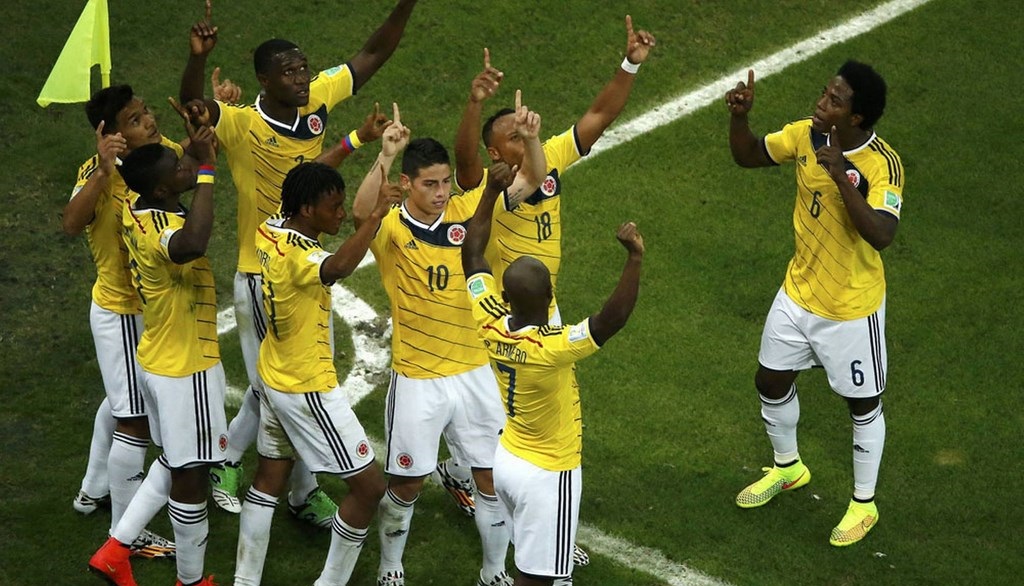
[519,100]
[629,25]
[487,58]
[396,116]
[750,79]
[209,10]
[99,128]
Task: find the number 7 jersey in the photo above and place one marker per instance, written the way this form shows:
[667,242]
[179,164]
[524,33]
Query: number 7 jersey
[434,334]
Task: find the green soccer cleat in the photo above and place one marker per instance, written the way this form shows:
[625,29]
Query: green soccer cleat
[318,509]
[858,520]
[224,480]
[775,480]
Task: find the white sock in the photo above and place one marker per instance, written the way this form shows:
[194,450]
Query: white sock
[253,537]
[242,429]
[493,534]
[458,471]
[302,482]
[147,502]
[191,530]
[780,419]
[95,483]
[346,543]
[395,518]
[124,466]
[868,443]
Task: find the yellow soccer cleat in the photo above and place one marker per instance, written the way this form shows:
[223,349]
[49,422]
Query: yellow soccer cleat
[775,480]
[858,520]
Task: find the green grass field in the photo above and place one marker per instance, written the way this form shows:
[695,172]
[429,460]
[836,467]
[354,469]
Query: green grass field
[672,421]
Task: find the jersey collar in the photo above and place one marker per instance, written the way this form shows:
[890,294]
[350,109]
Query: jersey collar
[259,108]
[856,149]
[419,224]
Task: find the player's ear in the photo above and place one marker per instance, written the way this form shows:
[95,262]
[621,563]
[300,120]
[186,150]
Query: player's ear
[405,182]
[856,120]
[494,154]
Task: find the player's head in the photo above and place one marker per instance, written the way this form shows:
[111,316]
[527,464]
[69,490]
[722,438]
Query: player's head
[426,176]
[527,288]
[314,194]
[121,111]
[283,72]
[155,172]
[854,98]
[501,139]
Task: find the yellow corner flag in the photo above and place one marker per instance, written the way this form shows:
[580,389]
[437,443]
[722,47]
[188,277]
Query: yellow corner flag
[88,45]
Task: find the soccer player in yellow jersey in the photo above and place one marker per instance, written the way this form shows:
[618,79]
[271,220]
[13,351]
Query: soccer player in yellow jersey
[534,226]
[537,472]
[183,380]
[263,141]
[122,123]
[830,310]
[440,384]
[303,411]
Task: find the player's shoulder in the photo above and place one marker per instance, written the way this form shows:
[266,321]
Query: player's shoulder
[86,169]
[548,330]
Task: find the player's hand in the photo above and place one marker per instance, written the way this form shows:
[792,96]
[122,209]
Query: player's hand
[499,177]
[202,140]
[527,123]
[203,37]
[740,99]
[197,112]
[373,126]
[486,83]
[638,44]
[630,238]
[109,147]
[388,196]
[225,91]
[831,158]
[396,136]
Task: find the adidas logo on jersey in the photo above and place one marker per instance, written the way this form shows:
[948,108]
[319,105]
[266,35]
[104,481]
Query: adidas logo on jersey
[803,160]
[272,141]
[411,245]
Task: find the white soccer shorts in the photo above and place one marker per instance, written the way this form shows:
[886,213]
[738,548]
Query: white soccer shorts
[186,416]
[116,337]
[251,317]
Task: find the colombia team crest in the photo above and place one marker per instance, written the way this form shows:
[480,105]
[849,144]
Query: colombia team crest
[315,124]
[854,176]
[363,449]
[549,185]
[456,234]
[404,461]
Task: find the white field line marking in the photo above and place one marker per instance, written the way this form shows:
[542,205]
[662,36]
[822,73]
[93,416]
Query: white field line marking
[690,102]
[371,357]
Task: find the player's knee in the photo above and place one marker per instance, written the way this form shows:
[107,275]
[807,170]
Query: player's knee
[863,406]
[773,384]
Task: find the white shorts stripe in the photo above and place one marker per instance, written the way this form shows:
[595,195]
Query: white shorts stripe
[330,431]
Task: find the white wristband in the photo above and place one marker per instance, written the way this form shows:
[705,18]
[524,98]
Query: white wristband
[630,67]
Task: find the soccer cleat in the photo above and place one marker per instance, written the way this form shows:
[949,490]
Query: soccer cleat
[110,562]
[858,520]
[461,491]
[87,505]
[775,480]
[579,556]
[224,481]
[150,545]
[207,581]
[318,509]
[502,579]
[392,578]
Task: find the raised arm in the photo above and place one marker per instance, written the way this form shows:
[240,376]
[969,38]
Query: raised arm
[191,241]
[619,306]
[394,140]
[534,170]
[371,130]
[381,44]
[479,227]
[348,256]
[746,147]
[469,165]
[81,208]
[609,103]
[202,40]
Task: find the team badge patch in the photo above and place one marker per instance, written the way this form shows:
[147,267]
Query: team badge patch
[222,443]
[893,201]
[363,449]
[332,71]
[578,332]
[456,234]
[549,185]
[318,256]
[476,287]
[315,124]
[404,461]
[854,176]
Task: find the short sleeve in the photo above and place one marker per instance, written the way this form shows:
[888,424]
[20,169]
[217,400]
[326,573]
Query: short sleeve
[306,266]
[484,299]
[379,245]
[562,150]
[575,343]
[232,125]
[164,241]
[333,85]
[781,146]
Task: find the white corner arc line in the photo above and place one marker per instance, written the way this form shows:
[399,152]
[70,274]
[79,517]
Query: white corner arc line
[690,102]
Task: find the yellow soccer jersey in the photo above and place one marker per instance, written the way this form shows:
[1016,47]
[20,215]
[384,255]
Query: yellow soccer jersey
[535,368]
[534,227]
[261,151]
[834,272]
[113,289]
[179,303]
[434,334]
[296,356]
